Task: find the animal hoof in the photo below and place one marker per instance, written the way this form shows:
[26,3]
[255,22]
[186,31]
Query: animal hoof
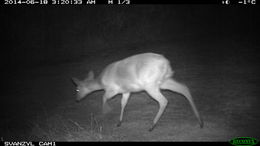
[118,124]
[201,125]
[151,129]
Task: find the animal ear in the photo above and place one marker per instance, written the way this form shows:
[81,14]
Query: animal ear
[90,75]
[75,81]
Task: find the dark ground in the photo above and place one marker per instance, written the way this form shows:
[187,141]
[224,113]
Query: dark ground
[219,66]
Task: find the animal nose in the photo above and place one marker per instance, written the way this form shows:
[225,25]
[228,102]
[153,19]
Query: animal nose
[78,98]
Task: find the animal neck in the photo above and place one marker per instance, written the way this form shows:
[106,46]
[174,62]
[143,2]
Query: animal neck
[96,85]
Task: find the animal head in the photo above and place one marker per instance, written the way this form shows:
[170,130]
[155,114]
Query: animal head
[85,86]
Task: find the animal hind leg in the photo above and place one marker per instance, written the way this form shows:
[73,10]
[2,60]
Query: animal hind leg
[179,88]
[157,95]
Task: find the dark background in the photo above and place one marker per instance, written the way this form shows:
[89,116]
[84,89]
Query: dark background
[43,35]
[210,43]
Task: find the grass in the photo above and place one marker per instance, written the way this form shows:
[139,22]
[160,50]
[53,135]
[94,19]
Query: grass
[226,98]
[58,128]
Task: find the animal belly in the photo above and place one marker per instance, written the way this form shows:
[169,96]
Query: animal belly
[130,88]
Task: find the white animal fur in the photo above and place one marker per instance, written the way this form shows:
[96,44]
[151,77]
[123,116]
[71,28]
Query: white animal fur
[148,72]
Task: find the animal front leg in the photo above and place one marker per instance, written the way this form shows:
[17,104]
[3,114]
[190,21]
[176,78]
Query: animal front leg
[106,96]
[124,101]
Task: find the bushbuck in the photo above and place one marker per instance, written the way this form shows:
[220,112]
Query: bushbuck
[148,72]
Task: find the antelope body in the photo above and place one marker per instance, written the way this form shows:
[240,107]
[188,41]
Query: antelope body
[148,72]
